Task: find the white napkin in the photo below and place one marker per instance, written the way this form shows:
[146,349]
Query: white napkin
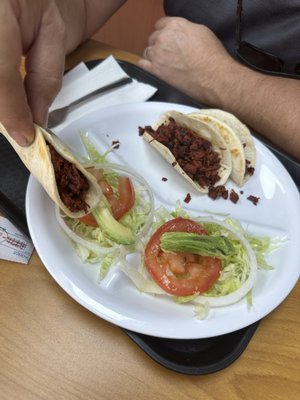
[80,81]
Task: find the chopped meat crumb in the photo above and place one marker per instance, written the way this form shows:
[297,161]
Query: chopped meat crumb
[115,144]
[249,170]
[188,198]
[234,197]
[147,128]
[253,199]
[217,192]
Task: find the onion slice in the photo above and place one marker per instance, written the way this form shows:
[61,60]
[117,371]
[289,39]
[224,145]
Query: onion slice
[245,288]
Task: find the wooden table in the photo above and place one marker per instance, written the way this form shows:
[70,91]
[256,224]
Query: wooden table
[51,348]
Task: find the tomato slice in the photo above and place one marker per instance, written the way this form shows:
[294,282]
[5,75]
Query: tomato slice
[106,188]
[88,219]
[180,274]
[124,202]
[120,204]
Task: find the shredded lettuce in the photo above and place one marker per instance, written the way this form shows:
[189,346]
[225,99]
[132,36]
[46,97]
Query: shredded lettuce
[185,299]
[94,156]
[201,310]
[261,246]
[235,267]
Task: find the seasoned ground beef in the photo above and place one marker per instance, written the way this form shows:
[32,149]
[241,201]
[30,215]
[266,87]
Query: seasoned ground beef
[72,184]
[253,199]
[249,170]
[115,144]
[187,198]
[193,154]
[217,192]
[233,196]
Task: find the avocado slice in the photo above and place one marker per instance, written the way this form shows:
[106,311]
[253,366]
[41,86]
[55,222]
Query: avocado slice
[112,228]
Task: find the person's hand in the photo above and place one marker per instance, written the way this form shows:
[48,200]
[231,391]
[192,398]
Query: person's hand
[188,56]
[191,58]
[34,29]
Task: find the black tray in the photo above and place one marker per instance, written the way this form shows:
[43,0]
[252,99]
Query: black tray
[193,357]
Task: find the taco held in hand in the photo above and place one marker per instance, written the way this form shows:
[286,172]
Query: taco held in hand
[74,190]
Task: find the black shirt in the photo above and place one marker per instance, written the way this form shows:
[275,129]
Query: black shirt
[272,25]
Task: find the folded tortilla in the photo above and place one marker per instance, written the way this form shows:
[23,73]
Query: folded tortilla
[37,159]
[205,131]
[237,137]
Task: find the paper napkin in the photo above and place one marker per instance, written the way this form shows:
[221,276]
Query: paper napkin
[80,81]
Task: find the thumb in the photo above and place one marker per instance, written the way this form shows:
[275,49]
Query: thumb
[45,66]
[15,113]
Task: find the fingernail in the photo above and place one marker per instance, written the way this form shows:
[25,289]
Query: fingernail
[40,113]
[21,138]
[46,120]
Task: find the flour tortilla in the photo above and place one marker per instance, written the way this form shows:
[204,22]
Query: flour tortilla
[232,141]
[236,130]
[205,131]
[37,159]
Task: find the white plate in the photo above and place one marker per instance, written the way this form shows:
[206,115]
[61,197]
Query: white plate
[116,299]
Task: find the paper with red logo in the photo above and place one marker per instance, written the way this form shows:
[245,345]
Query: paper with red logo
[14,246]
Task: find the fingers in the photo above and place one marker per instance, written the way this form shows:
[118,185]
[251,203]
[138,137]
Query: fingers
[153,38]
[164,21]
[145,62]
[15,113]
[157,38]
[43,33]
[147,52]
[45,65]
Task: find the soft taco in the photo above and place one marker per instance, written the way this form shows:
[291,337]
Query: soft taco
[69,185]
[194,148]
[238,139]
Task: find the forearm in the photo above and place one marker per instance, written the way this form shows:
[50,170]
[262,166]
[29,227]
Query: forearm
[269,105]
[84,17]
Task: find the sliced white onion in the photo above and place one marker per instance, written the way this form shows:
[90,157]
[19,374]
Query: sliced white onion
[95,248]
[243,290]
[143,284]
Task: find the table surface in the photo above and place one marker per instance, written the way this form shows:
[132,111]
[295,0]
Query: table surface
[53,348]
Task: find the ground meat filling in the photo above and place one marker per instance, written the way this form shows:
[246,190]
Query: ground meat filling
[193,154]
[71,183]
[249,170]
[253,199]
